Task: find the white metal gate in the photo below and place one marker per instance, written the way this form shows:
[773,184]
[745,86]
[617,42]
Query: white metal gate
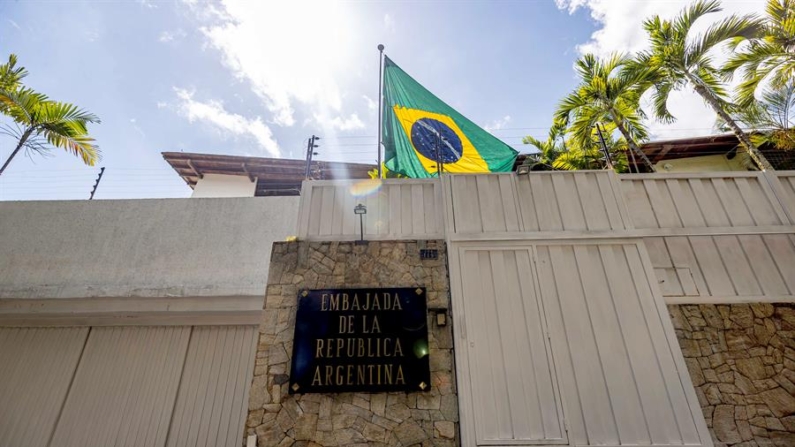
[513,396]
[547,330]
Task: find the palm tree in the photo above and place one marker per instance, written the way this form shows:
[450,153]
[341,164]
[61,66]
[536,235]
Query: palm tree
[557,153]
[42,123]
[770,119]
[770,56]
[608,92]
[679,60]
[548,150]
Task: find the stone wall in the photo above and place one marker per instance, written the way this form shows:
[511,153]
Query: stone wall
[741,358]
[345,419]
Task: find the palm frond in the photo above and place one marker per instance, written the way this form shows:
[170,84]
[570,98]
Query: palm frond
[22,104]
[730,28]
[538,144]
[684,21]
[749,58]
[10,74]
[710,80]
[567,106]
[53,112]
[660,96]
[769,57]
[74,141]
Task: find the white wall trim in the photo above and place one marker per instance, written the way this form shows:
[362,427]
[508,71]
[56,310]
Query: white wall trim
[621,234]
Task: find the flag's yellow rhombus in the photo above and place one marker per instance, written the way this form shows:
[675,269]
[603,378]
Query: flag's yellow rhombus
[435,136]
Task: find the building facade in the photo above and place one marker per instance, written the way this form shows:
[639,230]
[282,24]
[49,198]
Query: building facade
[580,309]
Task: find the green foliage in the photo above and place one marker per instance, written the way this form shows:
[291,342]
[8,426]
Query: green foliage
[549,150]
[770,118]
[766,57]
[610,89]
[385,172]
[679,59]
[41,123]
[10,74]
[607,92]
[557,153]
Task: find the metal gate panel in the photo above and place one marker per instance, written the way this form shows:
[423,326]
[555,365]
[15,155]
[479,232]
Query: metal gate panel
[584,316]
[511,396]
[623,378]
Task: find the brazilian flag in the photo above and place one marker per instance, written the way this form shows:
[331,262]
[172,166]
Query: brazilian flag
[420,130]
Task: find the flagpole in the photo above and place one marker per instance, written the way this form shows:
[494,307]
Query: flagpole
[380,98]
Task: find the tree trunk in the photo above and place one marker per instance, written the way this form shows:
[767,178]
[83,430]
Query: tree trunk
[631,143]
[21,143]
[755,154]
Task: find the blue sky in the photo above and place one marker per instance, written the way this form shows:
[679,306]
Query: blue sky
[258,78]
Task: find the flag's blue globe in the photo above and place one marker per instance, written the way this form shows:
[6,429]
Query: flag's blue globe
[436,141]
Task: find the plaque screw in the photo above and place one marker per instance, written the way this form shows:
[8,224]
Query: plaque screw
[419,291]
[423,386]
[304,293]
[295,387]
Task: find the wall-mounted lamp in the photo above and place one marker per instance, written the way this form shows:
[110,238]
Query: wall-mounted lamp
[522,170]
[361,210]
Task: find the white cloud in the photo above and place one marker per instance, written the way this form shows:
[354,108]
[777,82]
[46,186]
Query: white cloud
[371,104]
[389,23]
[169,36]
[292,53]
[497,124]
[91,35]
[344,124]
[213,112]
[620,29]
[136,127]
[147,4]
[14,24]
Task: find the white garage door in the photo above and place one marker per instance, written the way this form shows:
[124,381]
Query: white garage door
[125,386]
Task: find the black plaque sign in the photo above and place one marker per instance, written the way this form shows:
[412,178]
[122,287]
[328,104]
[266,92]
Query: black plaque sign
[360,340]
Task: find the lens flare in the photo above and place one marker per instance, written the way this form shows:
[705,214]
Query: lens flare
[364,188]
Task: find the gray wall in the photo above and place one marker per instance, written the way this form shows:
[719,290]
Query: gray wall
[145,248]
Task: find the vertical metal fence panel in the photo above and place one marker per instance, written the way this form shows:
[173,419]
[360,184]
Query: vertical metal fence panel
[725,268]
[396,209]
[542,201]
[732,199]
[783,183]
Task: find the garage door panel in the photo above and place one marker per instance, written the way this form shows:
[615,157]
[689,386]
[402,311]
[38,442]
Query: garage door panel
[43,359]
[124,388]
[212,403]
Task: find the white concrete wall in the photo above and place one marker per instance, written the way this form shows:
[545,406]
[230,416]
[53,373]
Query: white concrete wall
[216,185]
[141,248]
